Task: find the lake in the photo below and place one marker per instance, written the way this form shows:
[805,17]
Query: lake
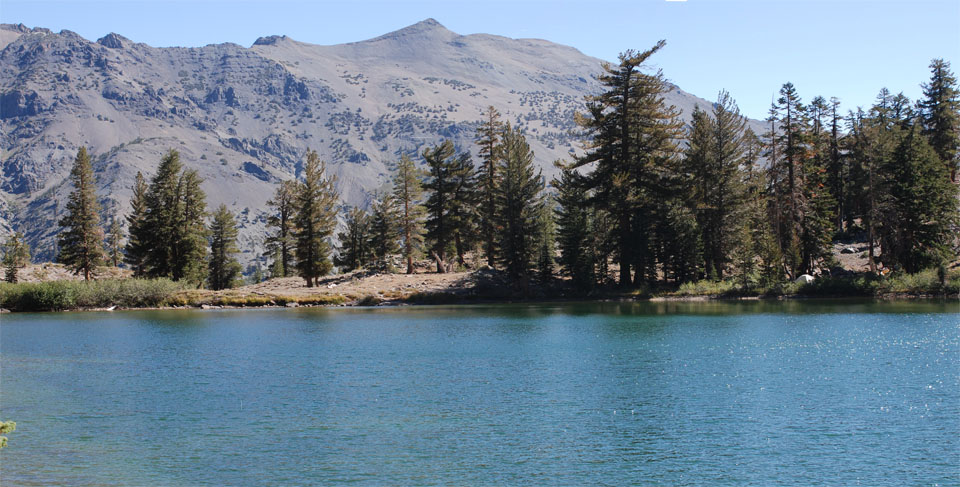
[751,393]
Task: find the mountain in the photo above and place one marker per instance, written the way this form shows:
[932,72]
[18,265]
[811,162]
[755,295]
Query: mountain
[244,117]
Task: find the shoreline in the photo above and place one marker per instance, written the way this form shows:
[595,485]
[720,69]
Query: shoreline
[468,301]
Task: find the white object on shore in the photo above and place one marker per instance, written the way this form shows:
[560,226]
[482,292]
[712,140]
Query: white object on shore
[112,308]
[805,279]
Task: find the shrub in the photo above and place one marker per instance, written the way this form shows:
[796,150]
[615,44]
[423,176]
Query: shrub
[60,295]
[369,300]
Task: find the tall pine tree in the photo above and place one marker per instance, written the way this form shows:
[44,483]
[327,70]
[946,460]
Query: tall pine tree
[81,241]
[441,165]
[224,270]
[940,111]
[408,192]
[573,230]
[280,241]
[488,140]
[315,220]
[383,230]
[518,201]
[139,238]
[354,251]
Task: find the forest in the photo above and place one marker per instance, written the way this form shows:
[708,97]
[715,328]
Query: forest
[652,202]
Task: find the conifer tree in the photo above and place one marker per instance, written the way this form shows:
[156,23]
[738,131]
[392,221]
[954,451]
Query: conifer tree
[634,145]
[315,220]
[224,270]
[190,244]
[837,168]
[464,205]
[81,243]
[408,193]
[518,202]
[940,111]
[139,238]
[714,156]
[573,230]
[114,241]
[383,229]
[163,210]
[281,242]
[918,230]
[488,139]
[546,239]
[441,165]
[354,252]
[16,254]
[787,139]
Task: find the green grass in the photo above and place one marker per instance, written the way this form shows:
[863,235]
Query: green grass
[61,295]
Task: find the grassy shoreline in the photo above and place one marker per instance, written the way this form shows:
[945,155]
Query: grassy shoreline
[164,294]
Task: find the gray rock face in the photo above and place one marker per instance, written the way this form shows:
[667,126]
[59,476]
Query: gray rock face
[244,117]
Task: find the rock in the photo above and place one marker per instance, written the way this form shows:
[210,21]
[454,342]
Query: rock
[805,279]
[206,306]
[848,250]
[4,310]
[292,305]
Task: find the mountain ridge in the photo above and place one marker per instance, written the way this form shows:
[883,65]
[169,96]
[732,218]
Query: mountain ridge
[244,116]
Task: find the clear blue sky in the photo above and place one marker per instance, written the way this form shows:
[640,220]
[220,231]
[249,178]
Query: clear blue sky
[844,48]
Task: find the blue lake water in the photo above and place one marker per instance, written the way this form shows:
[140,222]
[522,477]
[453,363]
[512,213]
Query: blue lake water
[791,393]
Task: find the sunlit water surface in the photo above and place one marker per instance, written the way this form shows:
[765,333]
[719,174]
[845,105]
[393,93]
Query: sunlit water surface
[796,393]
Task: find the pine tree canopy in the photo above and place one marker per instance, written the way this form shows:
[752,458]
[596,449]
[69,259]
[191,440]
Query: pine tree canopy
[224,270]
[81,241]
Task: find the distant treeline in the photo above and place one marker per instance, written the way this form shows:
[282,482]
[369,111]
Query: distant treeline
[650,201]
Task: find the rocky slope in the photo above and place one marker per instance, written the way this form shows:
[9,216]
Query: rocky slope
[243,117]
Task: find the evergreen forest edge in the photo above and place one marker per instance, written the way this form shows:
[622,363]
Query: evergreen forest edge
[651,207]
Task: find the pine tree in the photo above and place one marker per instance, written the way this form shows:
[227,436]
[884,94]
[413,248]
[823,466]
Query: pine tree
[463,205]
[281,242]
[488,139]
[714,156]
[190,244]
[315,220]
[383,229]
[16,254]
[224,270]
[634,145]
[837,168]
[354,251]
[408,193]
[441,165]
[139,238]
[163,209]
[940,110]
[81,243]
[546,239]
[518,204]
[573,230]
[700,175]
[114,241]
[919,228]
[172,232]
[787,139]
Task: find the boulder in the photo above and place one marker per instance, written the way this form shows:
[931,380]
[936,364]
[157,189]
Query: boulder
[848,250]
[805,279]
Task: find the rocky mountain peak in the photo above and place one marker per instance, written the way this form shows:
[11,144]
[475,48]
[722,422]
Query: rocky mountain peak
[425,29]
[269,40]
[113,41]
